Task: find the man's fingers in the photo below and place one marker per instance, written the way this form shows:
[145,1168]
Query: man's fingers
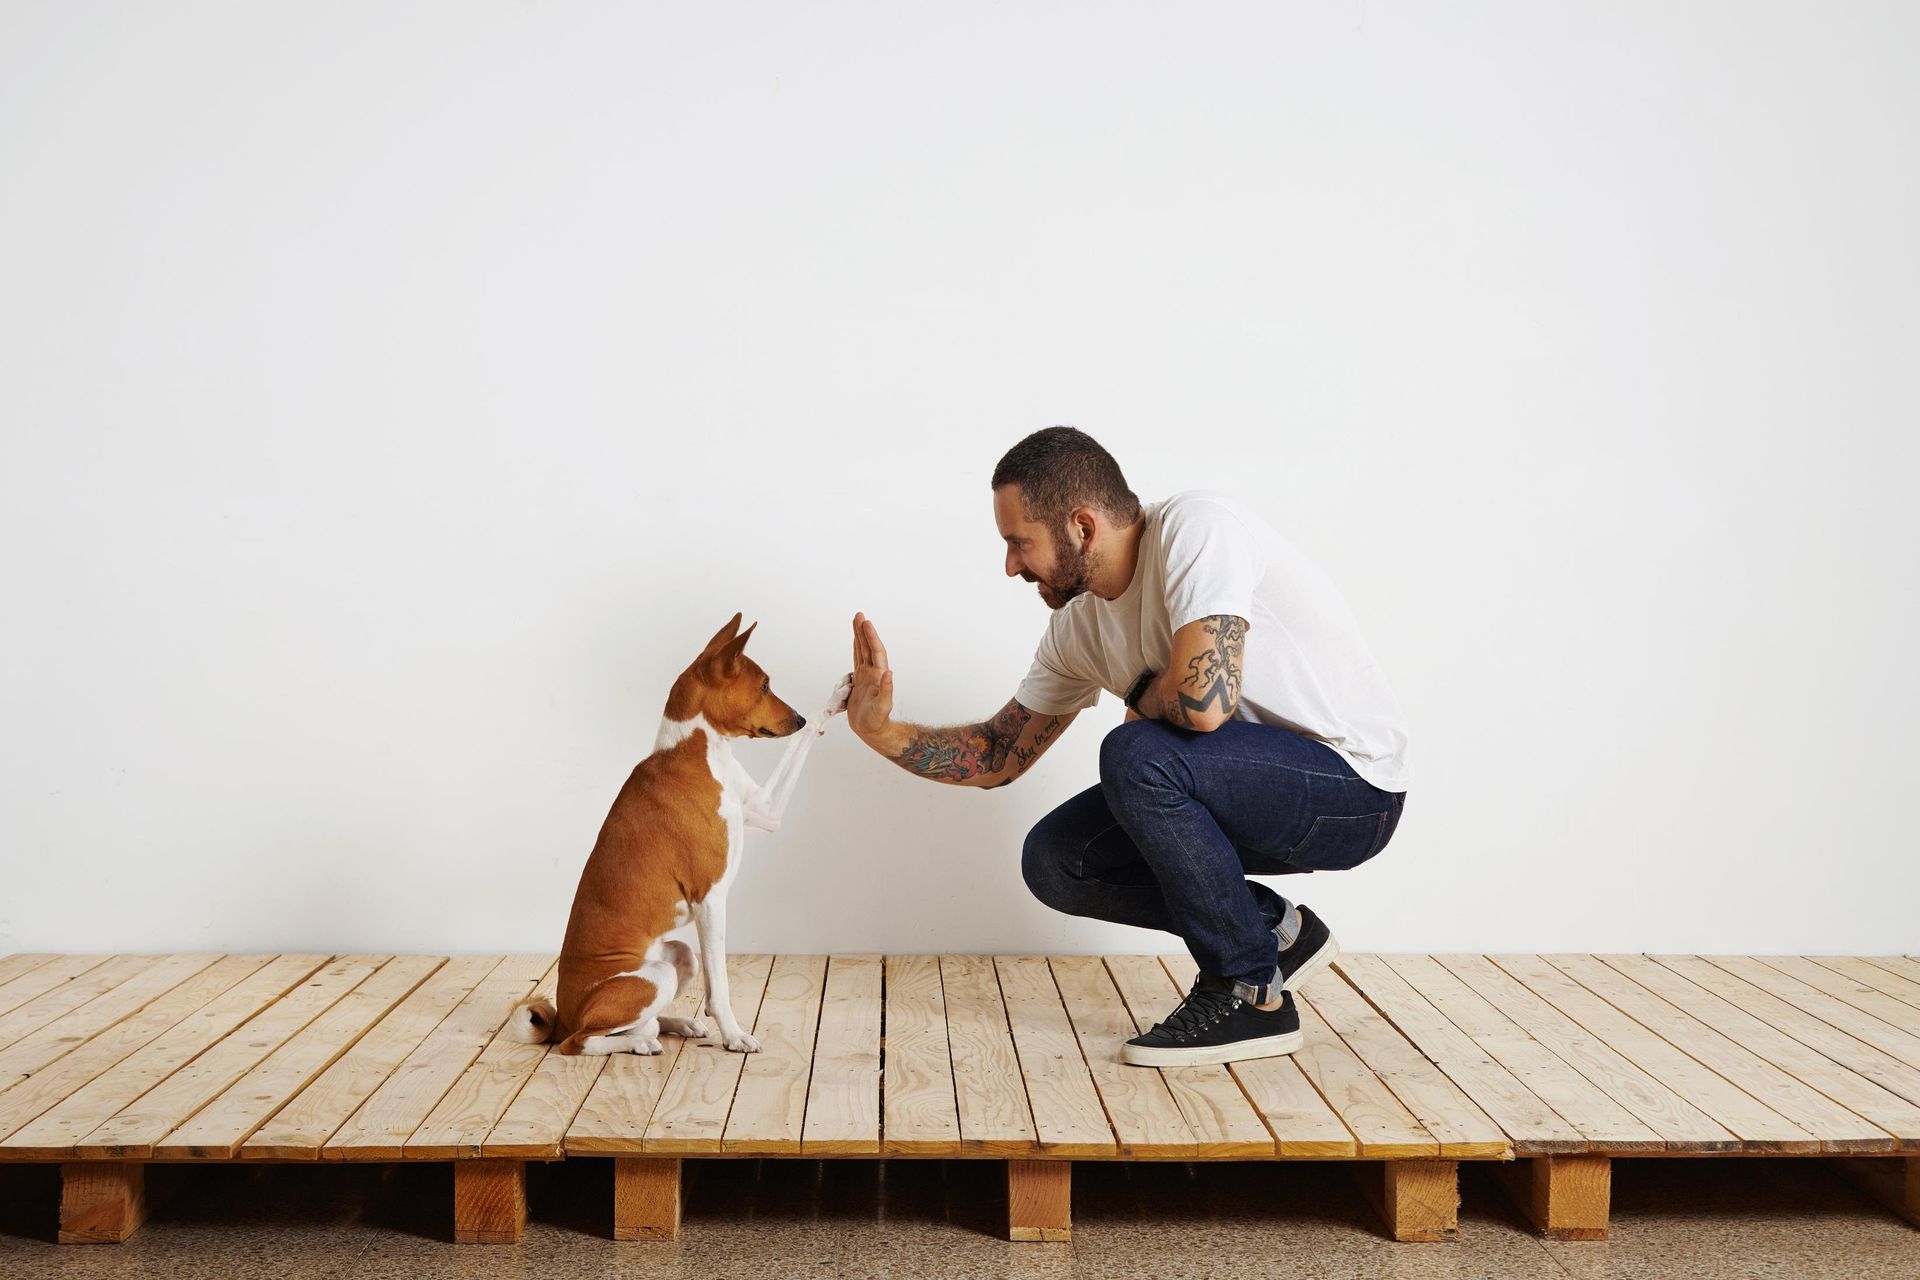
[875,648]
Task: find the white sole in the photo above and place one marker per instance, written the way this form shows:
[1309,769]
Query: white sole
[1328,953]
[1265,1047]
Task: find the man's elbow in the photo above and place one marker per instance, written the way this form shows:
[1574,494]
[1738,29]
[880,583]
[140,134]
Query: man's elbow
[1210,719]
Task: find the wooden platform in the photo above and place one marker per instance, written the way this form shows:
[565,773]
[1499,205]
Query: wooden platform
[1552,1065]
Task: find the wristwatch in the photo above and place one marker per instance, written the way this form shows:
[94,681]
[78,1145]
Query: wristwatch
[1139,687]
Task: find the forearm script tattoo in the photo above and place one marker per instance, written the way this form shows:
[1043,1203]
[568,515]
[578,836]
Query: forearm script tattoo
[973,751]
[1213,675]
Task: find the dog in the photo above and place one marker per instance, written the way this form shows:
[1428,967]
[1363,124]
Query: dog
[668,851]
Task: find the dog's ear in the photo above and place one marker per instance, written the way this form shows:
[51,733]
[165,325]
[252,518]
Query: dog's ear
[727,661]
[721,636]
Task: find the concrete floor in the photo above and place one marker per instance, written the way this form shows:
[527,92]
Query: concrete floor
[1672,1218]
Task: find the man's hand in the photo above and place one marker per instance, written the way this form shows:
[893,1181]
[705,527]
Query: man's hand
[870,705]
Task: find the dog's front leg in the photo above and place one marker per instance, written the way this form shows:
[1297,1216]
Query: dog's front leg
[766,805]
[710,915]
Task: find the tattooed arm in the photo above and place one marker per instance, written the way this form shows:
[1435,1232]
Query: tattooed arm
[989,754]
[1200,688]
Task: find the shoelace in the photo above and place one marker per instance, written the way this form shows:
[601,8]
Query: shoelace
[1202,1008]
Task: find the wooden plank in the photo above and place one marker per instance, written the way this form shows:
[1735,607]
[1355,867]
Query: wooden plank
[1889,1039]
[1303,1124]
[300,1129]
[646,1194]
[1679,1124]
[489,1201]
[1067,1117]
[132,1132]
[467,1112]
[843,1097]
[54,1134]
[1856,1055]
[31,1096]
[613,1119]
[1223,1123]
[535,1124]
[1848,990]
[995,1117]
[1147,1122]
[922,1112]
[1533,1126]
[1904,966]
[770,1104]
[1877,1110]
[1878,975]
[1757,1126]
[1601,1122]
[31,1015]
[1566,1197]
[380,1128]
[16,963]
[1837,1128]
[43,978]
[218,1129]
[72,1031]
[102,1203]
[691,1116]
[1460,1127]
[1039,1200]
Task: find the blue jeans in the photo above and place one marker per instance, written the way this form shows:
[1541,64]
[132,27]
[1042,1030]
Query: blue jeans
[1181,819]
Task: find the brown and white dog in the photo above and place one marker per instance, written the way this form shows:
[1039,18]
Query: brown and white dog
[667,852]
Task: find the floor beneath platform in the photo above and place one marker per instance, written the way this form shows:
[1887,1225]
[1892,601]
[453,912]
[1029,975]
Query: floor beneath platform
[860,1218]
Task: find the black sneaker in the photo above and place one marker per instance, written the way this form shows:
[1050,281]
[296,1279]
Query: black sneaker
[1313,950]
[1214,1025]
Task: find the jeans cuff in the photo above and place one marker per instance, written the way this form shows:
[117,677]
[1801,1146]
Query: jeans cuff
[1257,994]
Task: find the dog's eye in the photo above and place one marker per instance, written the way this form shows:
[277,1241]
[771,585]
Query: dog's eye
[766,686]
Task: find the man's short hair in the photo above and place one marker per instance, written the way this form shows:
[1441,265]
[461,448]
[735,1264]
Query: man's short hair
[1060,468]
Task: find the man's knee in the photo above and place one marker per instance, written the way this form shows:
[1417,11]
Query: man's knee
[1043,864]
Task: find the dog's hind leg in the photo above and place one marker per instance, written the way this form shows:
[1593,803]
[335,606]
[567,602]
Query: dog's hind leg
[680,955]
[623,1013]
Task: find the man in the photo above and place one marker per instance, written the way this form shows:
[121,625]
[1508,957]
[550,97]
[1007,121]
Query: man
[1260,739]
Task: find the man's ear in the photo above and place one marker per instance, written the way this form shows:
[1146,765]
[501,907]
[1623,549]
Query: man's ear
[727,660]
[1082,524]
[721,637]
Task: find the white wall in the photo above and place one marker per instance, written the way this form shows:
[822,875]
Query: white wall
[395,396]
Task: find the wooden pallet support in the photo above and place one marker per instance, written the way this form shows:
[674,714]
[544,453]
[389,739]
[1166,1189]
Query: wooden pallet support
[1892,1180]
[646,1198]
[1039,1200]
[101,1202]
[1565,1196]
[489,1201]
[1418,1199]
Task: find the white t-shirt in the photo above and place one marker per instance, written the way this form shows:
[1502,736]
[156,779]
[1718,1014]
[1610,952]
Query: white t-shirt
[1304,665]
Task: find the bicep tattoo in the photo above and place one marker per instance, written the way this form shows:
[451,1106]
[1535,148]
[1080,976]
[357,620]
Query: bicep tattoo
[1213,675]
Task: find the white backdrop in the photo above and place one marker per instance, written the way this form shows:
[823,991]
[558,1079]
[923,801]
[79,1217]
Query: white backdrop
[395,396]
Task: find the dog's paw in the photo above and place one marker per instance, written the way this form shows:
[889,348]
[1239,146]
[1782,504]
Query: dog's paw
[837,702]
[646,1044]
[686,1028]
[744,1043]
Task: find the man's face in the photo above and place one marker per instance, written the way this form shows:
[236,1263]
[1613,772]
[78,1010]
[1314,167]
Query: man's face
[1036,554]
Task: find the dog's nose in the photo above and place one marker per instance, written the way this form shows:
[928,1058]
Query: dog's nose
[803,723]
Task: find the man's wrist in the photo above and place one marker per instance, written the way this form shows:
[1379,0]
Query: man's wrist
[1136,696]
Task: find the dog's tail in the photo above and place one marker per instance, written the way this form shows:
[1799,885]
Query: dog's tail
[532,1021]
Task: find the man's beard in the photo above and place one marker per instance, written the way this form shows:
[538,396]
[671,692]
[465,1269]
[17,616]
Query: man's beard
[1070,576]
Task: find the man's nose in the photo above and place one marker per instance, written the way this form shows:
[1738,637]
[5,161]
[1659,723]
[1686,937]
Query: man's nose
[1013,567]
